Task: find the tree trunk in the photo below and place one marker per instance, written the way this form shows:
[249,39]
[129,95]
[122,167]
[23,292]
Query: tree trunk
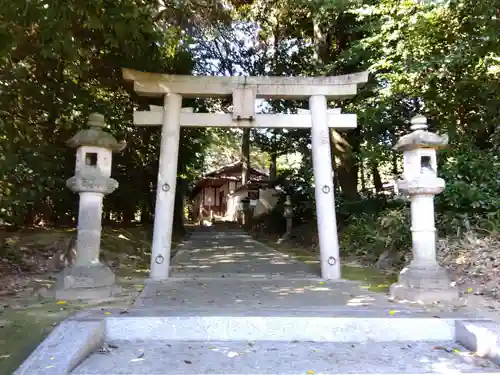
[178,224]
[395,164]
[273,167]
[245,156]
[151,202]
[362,176]
[29,216]
[336,183]
[347,169]
[344,147]
[146,217]
[377,180]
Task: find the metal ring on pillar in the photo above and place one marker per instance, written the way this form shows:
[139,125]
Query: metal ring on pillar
[159,259]
[332,261]
[165,187]
[325,189]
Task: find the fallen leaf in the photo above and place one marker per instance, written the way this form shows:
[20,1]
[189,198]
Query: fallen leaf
[107,313]
[442,348]
[469,290]
[392,312]
[51,358]
[61,302]
[310,372]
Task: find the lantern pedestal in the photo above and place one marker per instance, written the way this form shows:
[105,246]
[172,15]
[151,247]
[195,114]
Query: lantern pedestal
[425,284]
[86,282]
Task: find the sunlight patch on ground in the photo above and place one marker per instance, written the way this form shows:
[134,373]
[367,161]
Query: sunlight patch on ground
[371,279]
[360,301]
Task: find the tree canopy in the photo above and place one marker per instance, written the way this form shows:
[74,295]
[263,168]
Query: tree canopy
[62,60]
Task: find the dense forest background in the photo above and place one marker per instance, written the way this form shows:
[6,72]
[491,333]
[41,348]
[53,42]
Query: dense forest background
[62,60]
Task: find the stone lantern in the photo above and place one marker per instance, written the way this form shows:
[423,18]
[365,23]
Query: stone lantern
[288,209]
[423,280]
[246,207]
[288,215]
[88,278]
[245,204]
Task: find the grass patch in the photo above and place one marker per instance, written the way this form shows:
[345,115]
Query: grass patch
[370,278]
[25,325]
[26,320]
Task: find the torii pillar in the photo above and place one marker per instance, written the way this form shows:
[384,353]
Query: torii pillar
[244,91]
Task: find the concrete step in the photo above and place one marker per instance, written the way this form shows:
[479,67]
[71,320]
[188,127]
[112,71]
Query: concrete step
[272,357]
[373,326]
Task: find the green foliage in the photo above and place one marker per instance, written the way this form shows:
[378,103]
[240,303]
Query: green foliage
[297,184]
[369,205]
[369,235]
[472,181]
[272,222]
[61,61]
[58,63]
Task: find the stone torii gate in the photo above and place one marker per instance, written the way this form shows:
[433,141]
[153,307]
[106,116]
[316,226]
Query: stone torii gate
[244,92]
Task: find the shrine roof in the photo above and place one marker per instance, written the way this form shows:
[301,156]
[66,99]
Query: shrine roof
[230,172]
[234,168]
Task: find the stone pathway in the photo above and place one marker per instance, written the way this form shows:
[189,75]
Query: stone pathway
[231,272]
[212,253]
[270,358]
[234,306]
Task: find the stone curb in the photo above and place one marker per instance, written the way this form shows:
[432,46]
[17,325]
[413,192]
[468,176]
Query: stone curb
[68,345]
[481,337]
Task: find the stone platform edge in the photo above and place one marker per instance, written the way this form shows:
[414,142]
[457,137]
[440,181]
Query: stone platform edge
[480,337]
[67,346]
[80,335]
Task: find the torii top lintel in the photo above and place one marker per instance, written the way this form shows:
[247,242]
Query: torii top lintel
[157,85]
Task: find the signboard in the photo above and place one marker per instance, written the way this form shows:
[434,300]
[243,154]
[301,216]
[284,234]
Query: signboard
[253,194]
